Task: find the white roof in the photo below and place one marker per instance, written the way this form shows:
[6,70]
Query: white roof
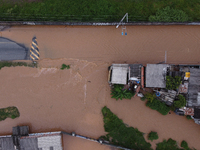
[119,75]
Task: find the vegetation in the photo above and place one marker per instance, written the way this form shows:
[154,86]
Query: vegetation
[119,93]
[122,135]
[14,64]
[65,67]
[159,106]
[150,97]
[171,144]
[168,14]
[166,145]
[9,112]
[189,117]
[99,10]
[173,83]
[143,98]
[181,102]
[184,144]
[152,136]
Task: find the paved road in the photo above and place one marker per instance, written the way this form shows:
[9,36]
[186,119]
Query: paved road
[10,50]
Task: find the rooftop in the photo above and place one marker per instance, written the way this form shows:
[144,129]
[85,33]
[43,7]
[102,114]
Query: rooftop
[119,74]
[22,140]
[155,75]
[194,88]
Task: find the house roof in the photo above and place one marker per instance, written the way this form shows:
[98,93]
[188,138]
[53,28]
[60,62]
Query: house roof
[196,113]
[135,70]
[119,74]
[35,141]
[194,88]
[155,75]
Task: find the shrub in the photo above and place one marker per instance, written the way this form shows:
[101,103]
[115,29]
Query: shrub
[152,136]
[118,93]
[168,14]
[189,117]
[184,144]
[167,145]
[65,67]
[181,102]
[172,83]
[9,112]
[150,97]
[122,135]
[159,106]
[143,98]
[14,64]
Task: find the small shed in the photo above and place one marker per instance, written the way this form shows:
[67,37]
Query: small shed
[155,75]
[119,74]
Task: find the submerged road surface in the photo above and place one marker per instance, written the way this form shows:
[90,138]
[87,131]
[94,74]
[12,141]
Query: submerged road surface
[71,100]
[143,44]
[10,50]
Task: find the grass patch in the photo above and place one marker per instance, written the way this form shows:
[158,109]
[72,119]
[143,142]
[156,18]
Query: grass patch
[122,135]
[119,93]
[152,136]
[9,112]
[65,67]
[94,11]
[14,64]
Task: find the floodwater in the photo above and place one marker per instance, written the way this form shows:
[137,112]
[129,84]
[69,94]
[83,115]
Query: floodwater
[50,99]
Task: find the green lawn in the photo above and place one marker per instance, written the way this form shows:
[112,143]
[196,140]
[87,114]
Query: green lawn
[93,10]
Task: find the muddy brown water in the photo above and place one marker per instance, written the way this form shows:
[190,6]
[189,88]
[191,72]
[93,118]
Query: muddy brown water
[50,99]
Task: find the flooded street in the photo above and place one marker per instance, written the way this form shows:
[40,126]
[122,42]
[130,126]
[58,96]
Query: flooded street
[50,99]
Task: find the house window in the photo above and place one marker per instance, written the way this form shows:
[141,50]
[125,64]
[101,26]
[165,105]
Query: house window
[51,148]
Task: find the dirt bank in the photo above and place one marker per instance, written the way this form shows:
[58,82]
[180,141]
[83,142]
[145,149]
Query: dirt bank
[71,100]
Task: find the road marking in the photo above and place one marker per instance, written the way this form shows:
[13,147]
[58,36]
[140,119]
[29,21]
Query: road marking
[34,54]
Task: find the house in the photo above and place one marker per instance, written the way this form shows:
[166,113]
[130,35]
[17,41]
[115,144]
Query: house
[124,73]
[156,75]
[22,140]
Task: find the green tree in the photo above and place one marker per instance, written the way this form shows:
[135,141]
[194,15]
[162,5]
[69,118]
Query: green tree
[159,106]
[168,14]
[118,133]
[181,102]
[119,93]
[173,83]
[152,136]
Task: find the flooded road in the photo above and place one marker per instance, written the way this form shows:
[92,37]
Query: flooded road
[50,99]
